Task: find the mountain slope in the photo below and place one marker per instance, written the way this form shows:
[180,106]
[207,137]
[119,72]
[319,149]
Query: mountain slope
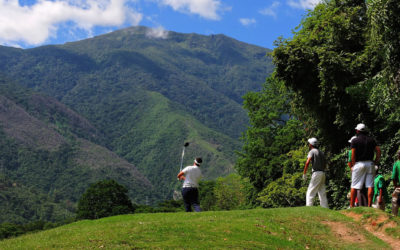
[42,158]
[146,96]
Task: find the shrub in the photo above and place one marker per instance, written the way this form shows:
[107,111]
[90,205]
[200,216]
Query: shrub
[103,199]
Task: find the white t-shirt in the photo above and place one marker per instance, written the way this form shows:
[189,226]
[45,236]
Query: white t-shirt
[192,176]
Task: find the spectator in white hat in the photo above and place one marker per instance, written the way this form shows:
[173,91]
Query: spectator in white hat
[317,183]
[363,148]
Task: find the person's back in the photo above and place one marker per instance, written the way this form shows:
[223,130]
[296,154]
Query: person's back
[317,159]
[362,164]
[365,147]
[190,193]
[193,175]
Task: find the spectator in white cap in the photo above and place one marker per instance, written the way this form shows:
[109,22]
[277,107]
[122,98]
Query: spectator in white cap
[363,150]
[317,183]
[361,196]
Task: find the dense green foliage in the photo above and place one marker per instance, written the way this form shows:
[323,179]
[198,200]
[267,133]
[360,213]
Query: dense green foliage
[42,177]
[231,192]
[266,154]
[103,199]
[340,68]
[10,230]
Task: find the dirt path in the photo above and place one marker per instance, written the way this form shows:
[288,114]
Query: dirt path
[377,227]
[343,232]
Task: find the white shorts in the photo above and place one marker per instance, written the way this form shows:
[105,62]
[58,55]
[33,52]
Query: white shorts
[362,173]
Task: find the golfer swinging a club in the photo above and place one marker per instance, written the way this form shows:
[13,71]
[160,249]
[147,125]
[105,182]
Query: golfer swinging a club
[190,192]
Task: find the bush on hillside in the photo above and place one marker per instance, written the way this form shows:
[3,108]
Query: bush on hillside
[103,199]
[287,191]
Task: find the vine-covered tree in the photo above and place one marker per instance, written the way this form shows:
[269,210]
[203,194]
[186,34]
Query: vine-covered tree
[322,62]
[104,198]
[341,67]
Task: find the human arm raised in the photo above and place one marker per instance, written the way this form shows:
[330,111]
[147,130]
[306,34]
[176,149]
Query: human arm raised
[181,176]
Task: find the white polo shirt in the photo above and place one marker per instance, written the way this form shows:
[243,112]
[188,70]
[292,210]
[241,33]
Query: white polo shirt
[192,176]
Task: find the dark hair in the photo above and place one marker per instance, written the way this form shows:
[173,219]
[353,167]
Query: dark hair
[199,160]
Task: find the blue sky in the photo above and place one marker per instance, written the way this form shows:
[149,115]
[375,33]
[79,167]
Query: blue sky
[31,23]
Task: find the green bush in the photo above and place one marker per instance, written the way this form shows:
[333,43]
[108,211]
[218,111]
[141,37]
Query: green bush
[8,230]
[103,199]
[287,191]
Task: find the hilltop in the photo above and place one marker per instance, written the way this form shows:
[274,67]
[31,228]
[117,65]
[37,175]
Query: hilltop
[283,228]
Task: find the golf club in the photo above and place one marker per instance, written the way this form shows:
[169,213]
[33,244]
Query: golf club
[183,153]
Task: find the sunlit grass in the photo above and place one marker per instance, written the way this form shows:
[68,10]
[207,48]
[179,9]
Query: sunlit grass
[286,228]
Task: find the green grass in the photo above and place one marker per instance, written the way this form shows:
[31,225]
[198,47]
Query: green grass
[285,228]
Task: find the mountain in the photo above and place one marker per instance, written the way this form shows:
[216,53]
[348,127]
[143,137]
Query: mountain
[142,97]
[46,164]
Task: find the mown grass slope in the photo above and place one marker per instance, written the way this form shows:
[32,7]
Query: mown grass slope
[283,228]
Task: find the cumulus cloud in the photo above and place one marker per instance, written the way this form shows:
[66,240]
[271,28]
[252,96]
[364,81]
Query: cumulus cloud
[271,10]
[208,9]
[158,32]
[247,21]
[303,4]
[35,23]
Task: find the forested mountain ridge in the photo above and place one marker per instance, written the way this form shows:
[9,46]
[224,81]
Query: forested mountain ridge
[220,69]
[46,162]
[141,97]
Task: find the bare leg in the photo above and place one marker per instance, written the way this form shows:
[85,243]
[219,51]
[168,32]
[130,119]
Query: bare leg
[395,204]
[353,194]
[370,194]
[362,197]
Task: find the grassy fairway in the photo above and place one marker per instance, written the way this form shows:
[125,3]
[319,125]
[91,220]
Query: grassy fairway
[285,228]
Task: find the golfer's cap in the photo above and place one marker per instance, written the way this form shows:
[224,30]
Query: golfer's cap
[313,141]
[352,138]
[361,127]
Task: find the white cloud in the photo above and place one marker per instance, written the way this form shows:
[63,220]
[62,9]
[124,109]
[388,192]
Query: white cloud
[247,21]
[271,10]
[36,23]
[208,9]
[303,4]
[158,32]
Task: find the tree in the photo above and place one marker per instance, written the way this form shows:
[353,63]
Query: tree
[230,192]
[102,199]
[343,66]
[273,133]
[322,63]
[207,195]
[287,191]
